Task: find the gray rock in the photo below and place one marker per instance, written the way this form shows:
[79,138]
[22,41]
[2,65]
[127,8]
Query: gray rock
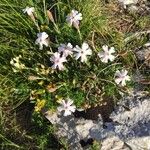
[140,7]
[66,129]
[126,3]
[130,128]
[143,54]
[113,143]
[139,143]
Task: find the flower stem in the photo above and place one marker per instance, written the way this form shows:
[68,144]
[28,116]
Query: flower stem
[80,36]
[56,27]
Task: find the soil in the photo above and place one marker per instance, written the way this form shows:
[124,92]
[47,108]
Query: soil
[93,112]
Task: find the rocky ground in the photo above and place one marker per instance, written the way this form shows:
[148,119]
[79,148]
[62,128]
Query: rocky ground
[129,128]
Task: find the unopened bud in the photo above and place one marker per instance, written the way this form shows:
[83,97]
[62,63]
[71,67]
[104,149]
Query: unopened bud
[50,16]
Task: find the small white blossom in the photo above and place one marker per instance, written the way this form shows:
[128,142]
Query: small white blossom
[29,10]
[106,54]
[73,18]
[82,52]
[66,49]
[122,77]
[58,61]
[42,39]
[67,107]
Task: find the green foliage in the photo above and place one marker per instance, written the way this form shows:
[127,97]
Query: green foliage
[96,146]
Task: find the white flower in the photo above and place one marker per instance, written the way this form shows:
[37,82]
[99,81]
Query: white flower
[122,77]
[73,18]
[29,10]
[42,39]
[107,54]
[66,49]
[67,107]
[58,61]
[82,52]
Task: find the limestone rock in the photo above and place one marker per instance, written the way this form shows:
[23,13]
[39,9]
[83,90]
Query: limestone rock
[143,54]
[130,127]
[113,143]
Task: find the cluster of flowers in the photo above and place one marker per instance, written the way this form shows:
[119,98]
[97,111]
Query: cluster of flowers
[16,63]
[58,58]
[82,53]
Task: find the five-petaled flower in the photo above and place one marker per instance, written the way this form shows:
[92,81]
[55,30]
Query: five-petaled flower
[66,49]
[66,107]
[82,52]
[122,77]
[58,60]
[42,39]
[106,54]
[74,18]
[29,10]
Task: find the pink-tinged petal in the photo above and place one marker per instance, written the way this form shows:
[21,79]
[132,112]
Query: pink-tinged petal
[69,102]
[45,43]
[104,59]
[123,83]
[75,12]
[56,55]
[111,57]
[44,35]
[76,24]
[127,78]
[40,46]
[63,102]
[118,74]
[124,72]
[67,113]
[54,66]
[101,54]
[83,58]
[78,17]
[69,45]
[85,46]
[61,67]
[72,108]
[77,56]
[63,59]
[118,80]
[77,49]
[105,48]
[88,52]
[112,50]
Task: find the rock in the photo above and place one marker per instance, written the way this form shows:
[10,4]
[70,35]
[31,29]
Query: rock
[143,54]
[83,128]
[126,3]
[133,123]
[66,129]
[140,7]
[113,143]
[142,143]
[130,128]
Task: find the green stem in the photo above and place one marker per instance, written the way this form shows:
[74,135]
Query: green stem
[56,27]
[80,36]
